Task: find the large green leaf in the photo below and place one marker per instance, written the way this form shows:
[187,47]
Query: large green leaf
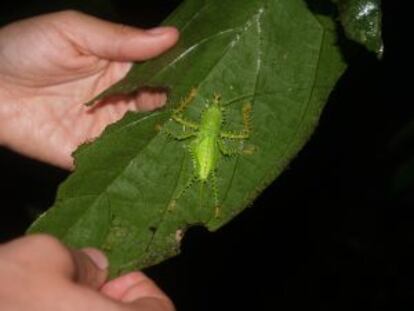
[362,21]
[121,196]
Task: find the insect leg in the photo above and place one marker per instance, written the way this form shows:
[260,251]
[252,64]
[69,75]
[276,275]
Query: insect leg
[234,135]
[181,193]
[215,194]
[186,187]
[180,136]
[245,132]
[246,114]
[186,101]
[179,118]
[179,111]
[226,150]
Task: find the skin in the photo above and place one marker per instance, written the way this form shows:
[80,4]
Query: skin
[38,273]
[49,66]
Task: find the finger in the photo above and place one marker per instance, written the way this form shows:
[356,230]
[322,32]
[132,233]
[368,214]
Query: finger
[118,287]
[90,267]
[138,292]
[143,288]
[43,253]
[151,304]
[39,252]
[114,107]
[148,101]
[115,41]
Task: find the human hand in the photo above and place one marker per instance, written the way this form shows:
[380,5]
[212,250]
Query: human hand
[38,273]
[51,65]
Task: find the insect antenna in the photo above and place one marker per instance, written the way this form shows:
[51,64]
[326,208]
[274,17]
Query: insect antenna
[237,99]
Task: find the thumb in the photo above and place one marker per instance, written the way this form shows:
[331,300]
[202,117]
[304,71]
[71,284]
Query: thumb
[114,41]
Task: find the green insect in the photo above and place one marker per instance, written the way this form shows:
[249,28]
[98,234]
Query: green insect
[208,139]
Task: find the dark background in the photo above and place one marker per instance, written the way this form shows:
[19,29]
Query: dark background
[334,232]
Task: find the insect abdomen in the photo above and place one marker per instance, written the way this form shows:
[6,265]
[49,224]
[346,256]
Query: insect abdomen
[205,152]
[205,147]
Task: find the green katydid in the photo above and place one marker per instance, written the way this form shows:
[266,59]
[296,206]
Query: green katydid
[208,139]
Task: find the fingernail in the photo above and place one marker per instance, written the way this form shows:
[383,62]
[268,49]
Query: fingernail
[158,31]
[98,258]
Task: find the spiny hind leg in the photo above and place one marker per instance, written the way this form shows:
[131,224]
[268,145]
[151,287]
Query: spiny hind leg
[245,132]
[214,188]
[172,205]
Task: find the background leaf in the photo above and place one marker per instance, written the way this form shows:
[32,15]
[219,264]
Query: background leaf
[362,21]
[119,195]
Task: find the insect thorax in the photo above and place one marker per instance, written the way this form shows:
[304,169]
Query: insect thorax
[211,120]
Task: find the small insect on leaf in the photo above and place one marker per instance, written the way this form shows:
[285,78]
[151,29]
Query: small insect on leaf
[209,140]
